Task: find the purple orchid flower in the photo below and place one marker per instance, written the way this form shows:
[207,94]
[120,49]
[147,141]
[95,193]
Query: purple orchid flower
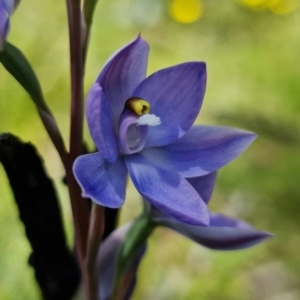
[223,233]
[107,261]
[144,126]
[7,7]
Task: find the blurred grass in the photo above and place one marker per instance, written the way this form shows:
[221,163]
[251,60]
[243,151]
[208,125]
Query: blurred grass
[253,83]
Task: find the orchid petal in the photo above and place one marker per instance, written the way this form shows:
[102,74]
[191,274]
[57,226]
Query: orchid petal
[168,191]
[204,185]
[107,260]
[100,180]
[100,122]
[202,150]
[123,73]
[223,233]
[176,96]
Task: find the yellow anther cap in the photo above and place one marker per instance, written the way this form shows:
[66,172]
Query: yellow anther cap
[138,106]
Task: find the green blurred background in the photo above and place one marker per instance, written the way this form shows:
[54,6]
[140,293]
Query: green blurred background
[252,51]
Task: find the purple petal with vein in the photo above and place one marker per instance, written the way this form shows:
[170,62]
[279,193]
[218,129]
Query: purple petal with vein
[223,233]
[204,185]
[202,150]
[123,73]
[176,96]
[166,190]
[100,180]
[100,122]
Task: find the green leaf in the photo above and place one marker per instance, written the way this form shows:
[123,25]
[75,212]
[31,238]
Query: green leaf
[18,66]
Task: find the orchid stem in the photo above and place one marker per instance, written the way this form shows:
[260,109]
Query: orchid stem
[96,229]
[79,205]
[52,129]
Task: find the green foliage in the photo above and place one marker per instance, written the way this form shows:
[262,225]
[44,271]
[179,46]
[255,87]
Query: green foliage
[18,66]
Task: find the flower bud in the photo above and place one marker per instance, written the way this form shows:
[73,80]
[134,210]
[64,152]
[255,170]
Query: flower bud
[7,7]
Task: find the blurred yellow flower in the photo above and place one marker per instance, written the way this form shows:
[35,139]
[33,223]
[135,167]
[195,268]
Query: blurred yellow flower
[281,7]
[278,7]
[186,11]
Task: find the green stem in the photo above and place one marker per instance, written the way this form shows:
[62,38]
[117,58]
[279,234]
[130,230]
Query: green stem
[137,235]
[54,134]
[89,9]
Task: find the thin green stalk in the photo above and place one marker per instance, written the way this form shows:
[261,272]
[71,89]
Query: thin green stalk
[137,235]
